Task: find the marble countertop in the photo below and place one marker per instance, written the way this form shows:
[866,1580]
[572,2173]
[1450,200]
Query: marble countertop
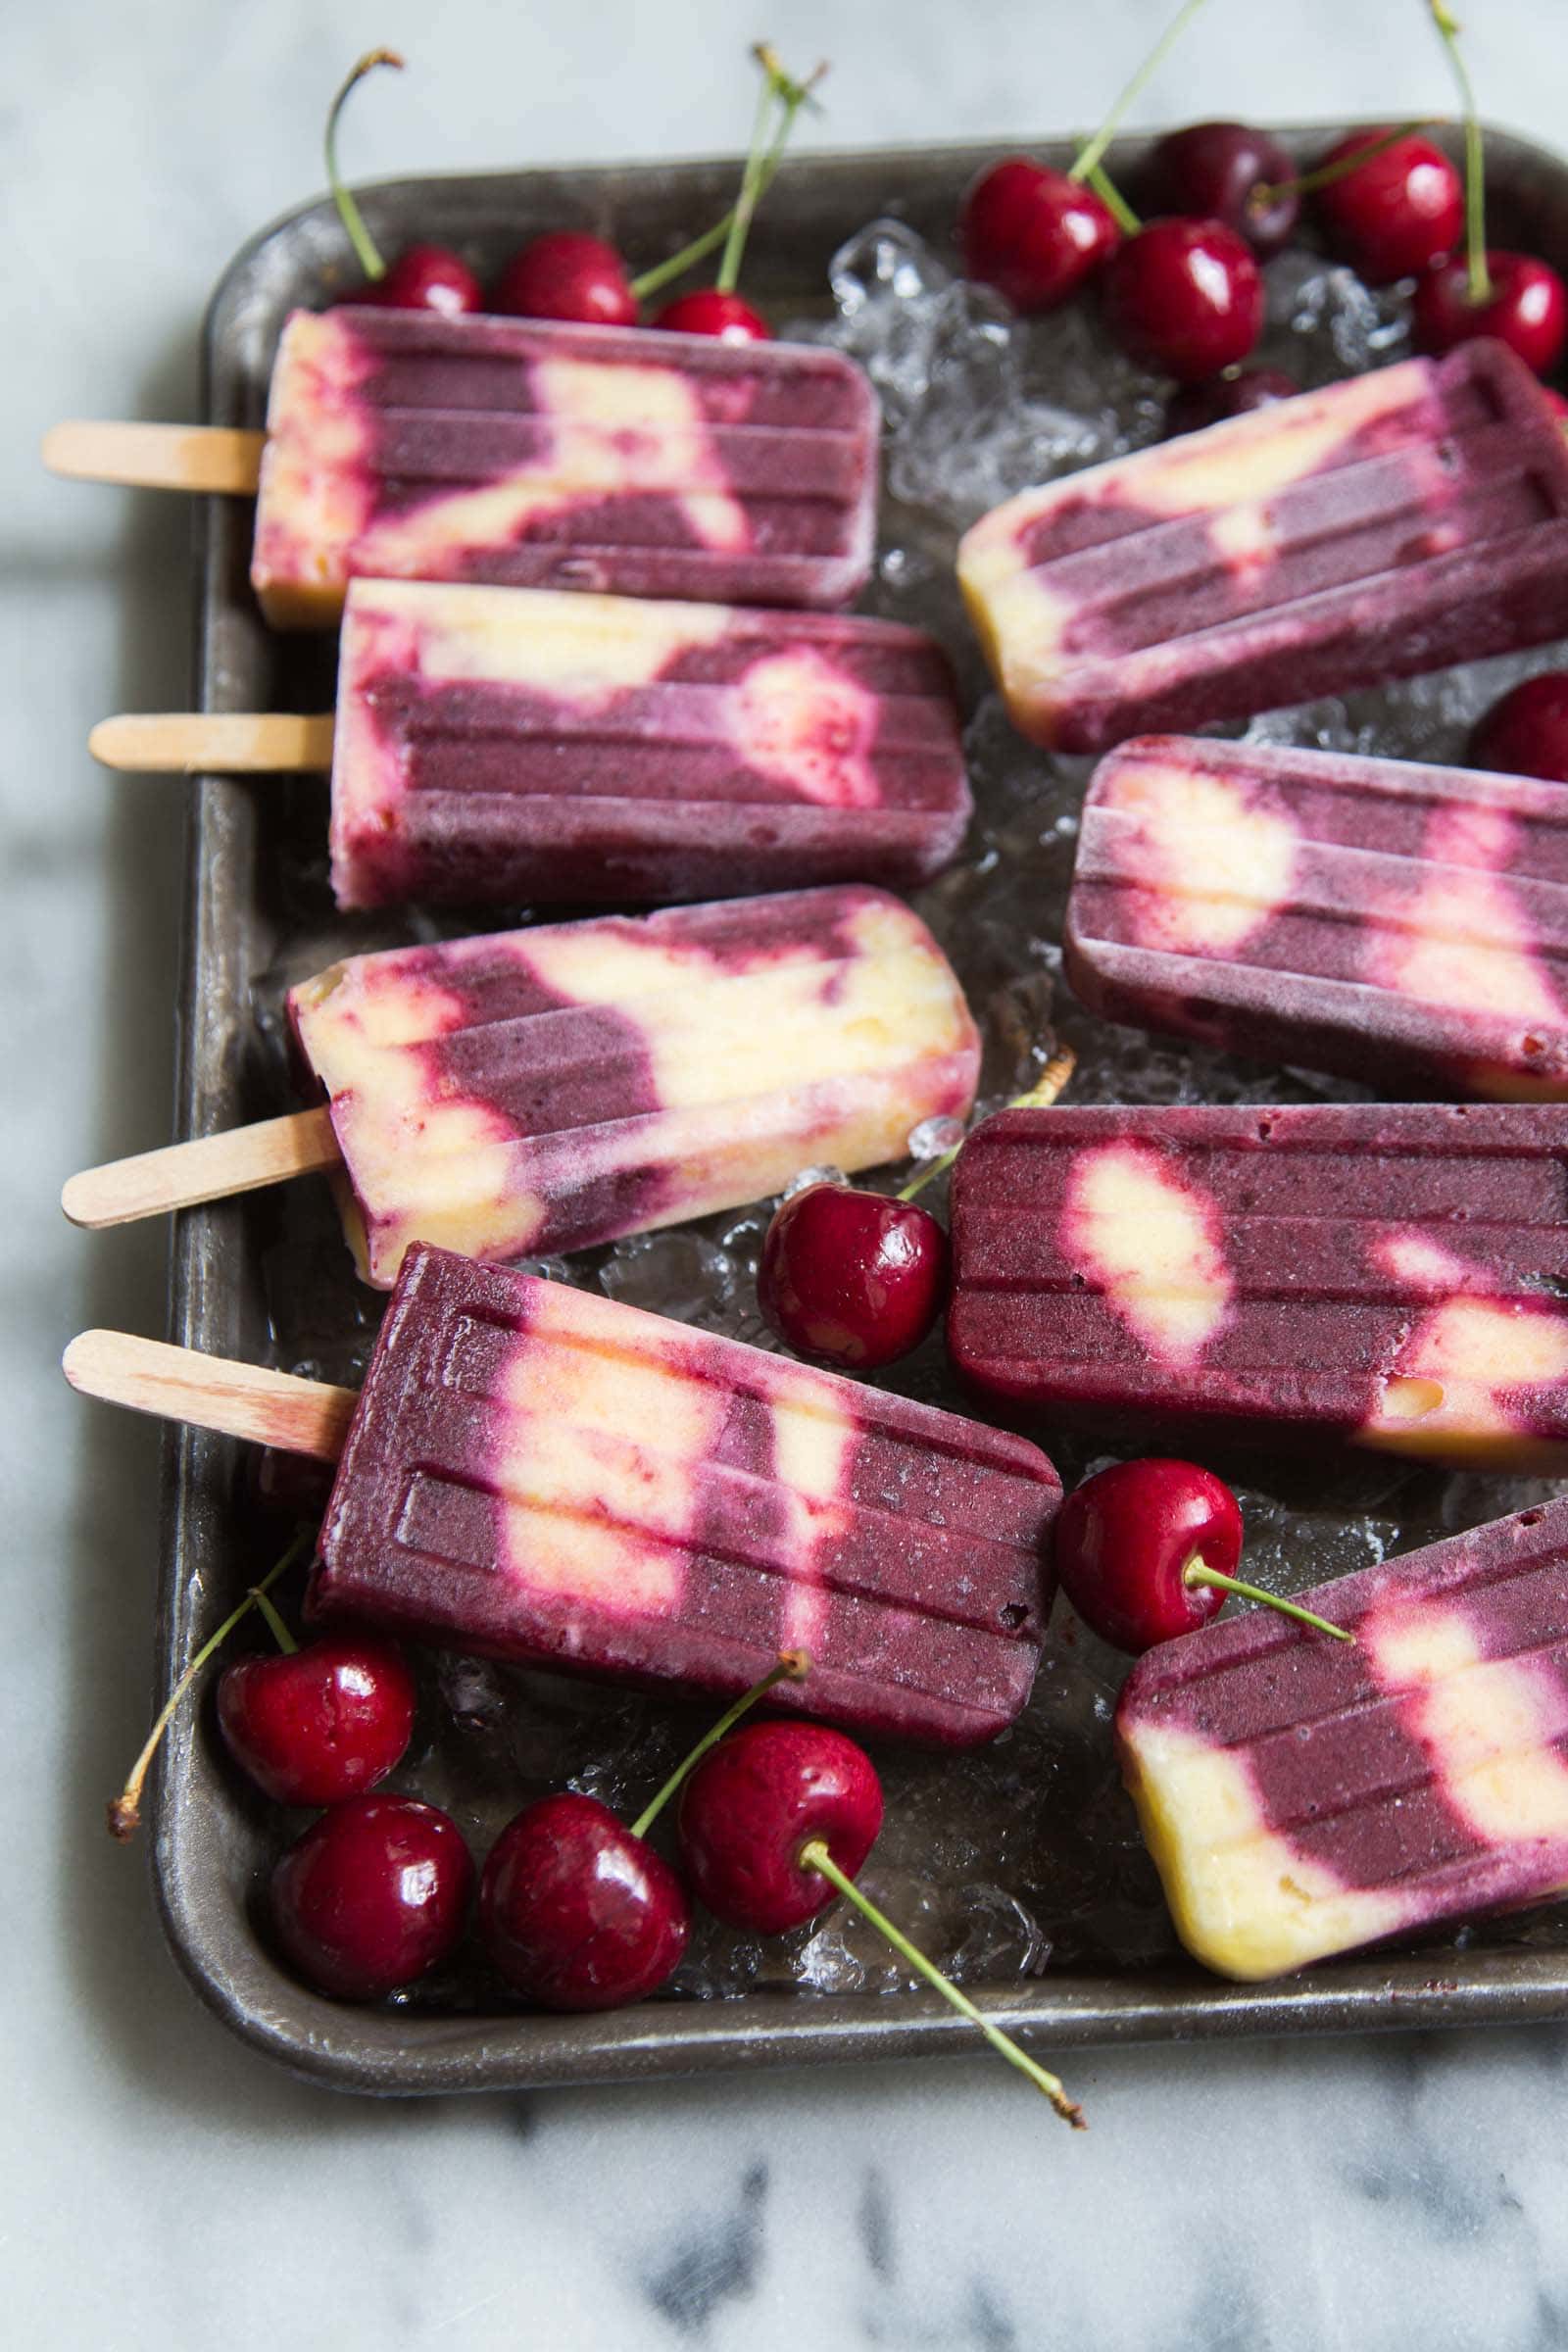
[164,2187]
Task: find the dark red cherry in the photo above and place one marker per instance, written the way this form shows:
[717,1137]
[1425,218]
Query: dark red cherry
[752,1805]
[1124,1538]
[851,1278]
[1199,405]
[708,312]
[1526,309]
[1395,215]
[568,274]
[1033,233]
[575,1912]
[324,1722]
[372,1896]
[1185,297]
[426,277]
[1526,733]
[1213,171]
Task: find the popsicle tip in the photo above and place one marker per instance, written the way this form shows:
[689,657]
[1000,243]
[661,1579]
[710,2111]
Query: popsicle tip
[58,447]
[80,1357]
[78,1198]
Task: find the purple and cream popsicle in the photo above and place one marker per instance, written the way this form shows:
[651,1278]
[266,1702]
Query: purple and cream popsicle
[1390,1277]
[1302,1797]
[1393,523]
[542,1090]
[526,453]
[1391,921]
[545,1475]
[507,745]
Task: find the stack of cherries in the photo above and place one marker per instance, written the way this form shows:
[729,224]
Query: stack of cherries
[570,274]
[1183,292]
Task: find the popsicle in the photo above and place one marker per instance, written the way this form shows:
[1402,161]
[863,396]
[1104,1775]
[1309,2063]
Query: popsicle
[1393,523]
[1391,921]
[1301,1796]
[1387,1276]
[541,1090]
[545,1475]
[523,746]
[528,454]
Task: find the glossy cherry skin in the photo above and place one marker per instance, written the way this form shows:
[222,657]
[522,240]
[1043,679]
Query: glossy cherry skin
[1396,215]
[1528,309]
[426,277]
[851,1278]
[566,274]
[1201,405]
[1212,170]
[1185,297]
[1124,1538]
[1526,733]
[1032,233]
[708,312]
[750,1805]
[575,1912]
[372,1896]
[321,1724]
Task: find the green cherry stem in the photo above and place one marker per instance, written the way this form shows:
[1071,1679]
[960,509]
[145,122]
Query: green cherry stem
[1195,1573]
[1044,1091]
[652,280]
[793,1667]
[813,1855]
[1308,183]
[124,1814]
[1475,199]
[349,213]
[1089,157]
[274,1623]
[1114,202]
[763,157]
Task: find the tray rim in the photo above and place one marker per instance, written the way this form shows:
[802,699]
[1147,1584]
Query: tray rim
[405,2052]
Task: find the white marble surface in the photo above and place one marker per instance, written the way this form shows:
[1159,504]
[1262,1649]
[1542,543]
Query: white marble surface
[162,2188]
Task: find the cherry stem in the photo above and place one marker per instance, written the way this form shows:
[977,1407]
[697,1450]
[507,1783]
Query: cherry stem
[1089,155]
[274,1623]
[1114,202]
[1044,1091]
[813,1855]
[1308,183]
[124,1814]
[762,157]
[651,280]
[349,213]
[1195,1573]
[793,1667]
[1475,200]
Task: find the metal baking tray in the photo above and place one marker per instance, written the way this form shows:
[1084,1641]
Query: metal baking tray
[256,905]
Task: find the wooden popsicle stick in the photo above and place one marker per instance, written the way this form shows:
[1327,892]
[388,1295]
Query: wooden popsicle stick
[156,457]
[243,1400]
[197,743]
[211,1167]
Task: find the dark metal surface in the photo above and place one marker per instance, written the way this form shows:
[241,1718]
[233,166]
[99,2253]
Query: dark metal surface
[212,1841]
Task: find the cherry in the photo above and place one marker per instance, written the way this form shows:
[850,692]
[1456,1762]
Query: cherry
[1124,1538]
[1184,296]
[1526,733]
[424,277]
[1527,307]
[1033,233]
[1227,172]
[1201,405]
[568,274]
[851,1278]
[575,1911]
[1554,402]
[750,1805]
[776,1821]
[1396,213]
[1146,1551]
[313,1726]
[711,312]
[372,1896]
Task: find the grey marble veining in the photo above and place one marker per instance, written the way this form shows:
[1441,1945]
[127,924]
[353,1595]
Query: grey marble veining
[162,2187]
